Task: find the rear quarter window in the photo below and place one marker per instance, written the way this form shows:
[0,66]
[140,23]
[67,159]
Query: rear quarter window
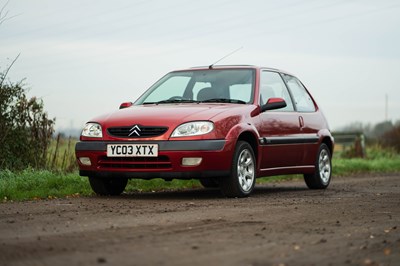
[302,99]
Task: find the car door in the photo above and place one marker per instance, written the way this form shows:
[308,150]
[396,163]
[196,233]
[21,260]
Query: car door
[280,129]
[310,119]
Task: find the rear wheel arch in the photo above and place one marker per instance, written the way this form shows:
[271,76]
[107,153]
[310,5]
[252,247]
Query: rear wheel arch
[328,142]
[322,174]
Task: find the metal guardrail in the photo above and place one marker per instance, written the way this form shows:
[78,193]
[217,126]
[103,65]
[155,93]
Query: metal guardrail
[351,140]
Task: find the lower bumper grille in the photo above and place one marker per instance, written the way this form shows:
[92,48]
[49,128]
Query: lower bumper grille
[161,162]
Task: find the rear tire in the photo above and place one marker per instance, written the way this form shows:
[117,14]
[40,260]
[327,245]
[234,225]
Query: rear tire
[107,186]
[321,178]
[209,182]
[242,178]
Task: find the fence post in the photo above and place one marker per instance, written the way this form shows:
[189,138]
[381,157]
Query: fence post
[359,146]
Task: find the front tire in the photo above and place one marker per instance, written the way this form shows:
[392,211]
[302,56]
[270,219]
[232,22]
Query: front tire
[107,186]
[321,178]
[242,178]
[209,182]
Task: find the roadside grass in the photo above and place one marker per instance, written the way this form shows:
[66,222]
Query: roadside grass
[378,160]
[41,184]
[343,167]
[139,185]
[34,184]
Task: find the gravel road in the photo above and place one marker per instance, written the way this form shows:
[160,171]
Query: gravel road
[356,221]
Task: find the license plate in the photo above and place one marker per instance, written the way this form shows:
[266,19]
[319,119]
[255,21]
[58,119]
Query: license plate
[132,150]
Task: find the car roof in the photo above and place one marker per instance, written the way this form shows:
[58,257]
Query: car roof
[233,67]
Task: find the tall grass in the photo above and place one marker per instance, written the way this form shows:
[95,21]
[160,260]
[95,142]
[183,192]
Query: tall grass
[61,155]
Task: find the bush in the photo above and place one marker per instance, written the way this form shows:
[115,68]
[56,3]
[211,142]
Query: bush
[391,138]
[25,129]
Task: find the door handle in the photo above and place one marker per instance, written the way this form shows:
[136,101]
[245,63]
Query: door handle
[301,122]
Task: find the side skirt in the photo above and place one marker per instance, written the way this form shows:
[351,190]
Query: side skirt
[307,169]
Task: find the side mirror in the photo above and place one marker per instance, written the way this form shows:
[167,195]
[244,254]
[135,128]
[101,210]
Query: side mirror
[273,103]
[125,105]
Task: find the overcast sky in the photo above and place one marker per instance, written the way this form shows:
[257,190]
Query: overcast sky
[85,57]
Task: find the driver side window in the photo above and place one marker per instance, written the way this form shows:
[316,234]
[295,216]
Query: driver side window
[198,86]
[272,86]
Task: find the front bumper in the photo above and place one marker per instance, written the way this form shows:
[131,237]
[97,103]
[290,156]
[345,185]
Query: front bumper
[216,160]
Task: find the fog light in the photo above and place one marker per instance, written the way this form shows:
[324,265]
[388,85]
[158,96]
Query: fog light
[85,161]
[191,161]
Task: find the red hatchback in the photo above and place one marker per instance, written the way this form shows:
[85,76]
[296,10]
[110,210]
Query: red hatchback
[224,125]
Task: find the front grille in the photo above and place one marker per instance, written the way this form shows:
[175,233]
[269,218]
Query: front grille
[136,132]
[160,162]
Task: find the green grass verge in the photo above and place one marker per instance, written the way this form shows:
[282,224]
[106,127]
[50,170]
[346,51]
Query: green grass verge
[160,185]
[32,184]
[342,167]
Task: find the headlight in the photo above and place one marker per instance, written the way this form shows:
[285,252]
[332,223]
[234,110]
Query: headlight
[92,130]
[193,129]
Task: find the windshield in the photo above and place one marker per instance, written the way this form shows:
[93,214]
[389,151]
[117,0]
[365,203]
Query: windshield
[214,85]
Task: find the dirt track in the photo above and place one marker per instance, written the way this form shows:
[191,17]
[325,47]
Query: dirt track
[355,222]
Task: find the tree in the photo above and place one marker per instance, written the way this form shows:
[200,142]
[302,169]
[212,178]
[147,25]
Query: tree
[25,128]
[391,138]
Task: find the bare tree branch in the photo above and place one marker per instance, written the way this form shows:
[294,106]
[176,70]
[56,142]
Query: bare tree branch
[4,14]
[3,77]
[3,17]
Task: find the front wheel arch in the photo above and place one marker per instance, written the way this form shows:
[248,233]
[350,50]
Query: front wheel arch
[241,181]
[249,137]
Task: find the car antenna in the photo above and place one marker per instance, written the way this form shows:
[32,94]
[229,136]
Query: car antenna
[231,53]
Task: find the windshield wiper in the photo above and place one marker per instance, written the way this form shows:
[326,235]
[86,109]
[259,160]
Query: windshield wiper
[214,100]
[173,101]
[223,100]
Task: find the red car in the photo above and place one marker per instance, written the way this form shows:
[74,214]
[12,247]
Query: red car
[223,125]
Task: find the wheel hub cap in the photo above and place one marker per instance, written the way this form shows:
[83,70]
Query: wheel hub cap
[324,166]
[245,170]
